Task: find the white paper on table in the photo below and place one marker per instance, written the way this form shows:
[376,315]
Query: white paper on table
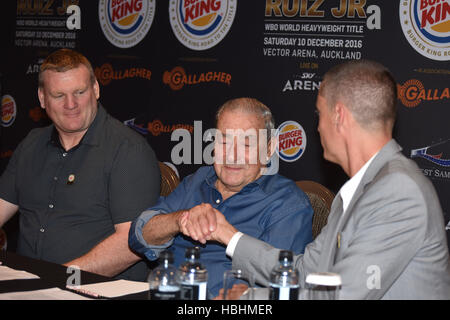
[111,289]
[44,294]
[7,273]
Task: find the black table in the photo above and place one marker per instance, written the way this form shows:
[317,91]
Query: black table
[51,275]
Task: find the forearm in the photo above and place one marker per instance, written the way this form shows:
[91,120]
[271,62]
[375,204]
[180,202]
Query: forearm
[162,228]
[7,210]
[109,257]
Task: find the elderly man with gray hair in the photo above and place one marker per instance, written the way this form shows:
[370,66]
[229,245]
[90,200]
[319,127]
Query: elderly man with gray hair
[267,206]
[385,234]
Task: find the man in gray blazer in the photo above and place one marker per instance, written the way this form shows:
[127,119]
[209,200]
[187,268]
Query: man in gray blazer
[385,234]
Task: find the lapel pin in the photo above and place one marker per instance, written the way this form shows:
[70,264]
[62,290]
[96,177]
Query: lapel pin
[71,179]
[339,240]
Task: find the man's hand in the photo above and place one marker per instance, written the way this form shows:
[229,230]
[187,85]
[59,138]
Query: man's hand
[203,223]
[234,293]
[198,222]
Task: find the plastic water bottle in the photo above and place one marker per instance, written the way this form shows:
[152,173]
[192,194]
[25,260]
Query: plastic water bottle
[193,276]
[284,282]
[163,280]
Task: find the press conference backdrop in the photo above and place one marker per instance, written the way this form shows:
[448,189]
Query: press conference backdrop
[168,65]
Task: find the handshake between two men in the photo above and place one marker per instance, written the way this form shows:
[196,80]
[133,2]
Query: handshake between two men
[204,223]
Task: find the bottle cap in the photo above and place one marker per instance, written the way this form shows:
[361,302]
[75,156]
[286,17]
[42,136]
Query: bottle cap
[285,255]
[324,279]
[192,253]
[166,255]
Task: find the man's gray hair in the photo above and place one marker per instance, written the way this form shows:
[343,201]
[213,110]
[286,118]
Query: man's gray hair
[250,105]
[366,87]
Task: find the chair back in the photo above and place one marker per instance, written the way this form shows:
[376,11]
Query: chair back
[2,239]
[169,179]
[321,199]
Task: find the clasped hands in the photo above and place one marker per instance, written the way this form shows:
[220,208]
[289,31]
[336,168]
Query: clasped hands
[204,223]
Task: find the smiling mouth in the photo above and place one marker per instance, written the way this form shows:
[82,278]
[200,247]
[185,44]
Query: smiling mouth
[234,167]
[72,115]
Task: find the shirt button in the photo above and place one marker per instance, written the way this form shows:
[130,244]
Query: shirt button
[218,201]
[42,230]
[55,178]
[64,154]
[50,206]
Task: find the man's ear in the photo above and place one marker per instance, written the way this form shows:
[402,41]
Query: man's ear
[41,97]
[96,89]
[340,114]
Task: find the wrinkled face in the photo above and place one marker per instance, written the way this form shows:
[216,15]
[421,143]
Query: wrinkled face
[237,148]
[70,99]
[327,130]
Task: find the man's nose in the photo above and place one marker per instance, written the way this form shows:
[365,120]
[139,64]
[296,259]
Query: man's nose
[236,152]
[231,151]
[70,102]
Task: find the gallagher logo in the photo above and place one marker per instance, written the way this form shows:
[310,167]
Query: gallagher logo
[426,26]
[177,78]
[9,110]
[37,114]
[105,74]
[126,22]
[413,92]
[201,24]
[156,127]
[291,141]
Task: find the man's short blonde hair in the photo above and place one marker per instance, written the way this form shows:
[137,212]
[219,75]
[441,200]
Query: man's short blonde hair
[63,60]
[367,88]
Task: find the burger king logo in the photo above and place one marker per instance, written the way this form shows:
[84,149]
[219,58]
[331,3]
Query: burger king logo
[201,24]
[291,141]
[426,26]
[9,110]
[126,22]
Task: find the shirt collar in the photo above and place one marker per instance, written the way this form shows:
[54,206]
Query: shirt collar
[92,135]
[348,189]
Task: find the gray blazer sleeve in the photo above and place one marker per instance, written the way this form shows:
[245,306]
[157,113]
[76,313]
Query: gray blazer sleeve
[386,247]
[259,258]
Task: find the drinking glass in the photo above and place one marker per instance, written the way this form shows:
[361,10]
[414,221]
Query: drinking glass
[323,286]
[238,285]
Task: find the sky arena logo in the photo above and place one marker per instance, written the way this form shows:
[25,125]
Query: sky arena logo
[9,110]
[426,26]
[201,24]
[126,22]
[291,141]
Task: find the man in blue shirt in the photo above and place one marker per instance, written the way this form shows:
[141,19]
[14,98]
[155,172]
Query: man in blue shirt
[267,206]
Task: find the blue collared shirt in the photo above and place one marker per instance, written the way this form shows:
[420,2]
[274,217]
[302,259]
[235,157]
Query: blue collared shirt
[272,209]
